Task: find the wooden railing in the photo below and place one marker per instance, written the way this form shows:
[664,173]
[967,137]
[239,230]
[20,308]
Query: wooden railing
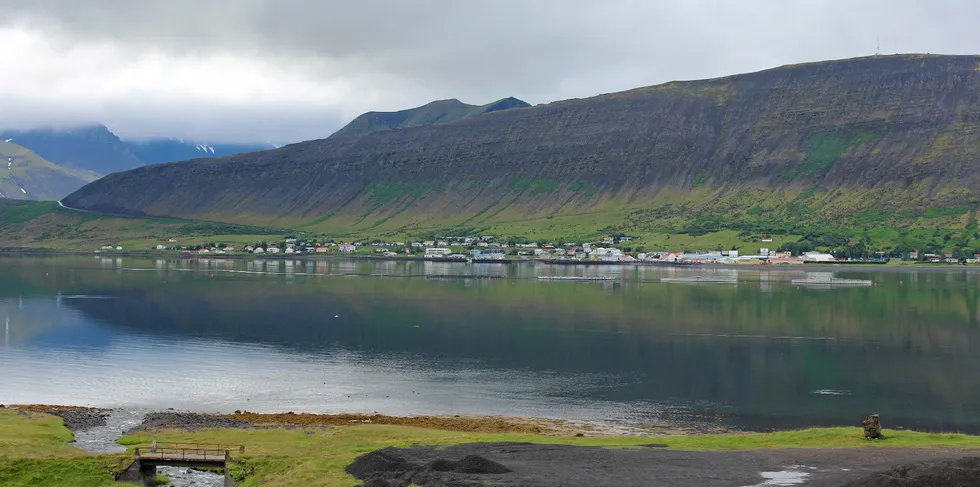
[202,452]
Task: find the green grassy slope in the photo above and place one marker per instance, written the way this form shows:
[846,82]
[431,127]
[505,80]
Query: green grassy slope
[28,224]
[25,175]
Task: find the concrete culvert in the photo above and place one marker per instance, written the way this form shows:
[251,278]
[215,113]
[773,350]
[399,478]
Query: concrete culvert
[479,465]
[963,472]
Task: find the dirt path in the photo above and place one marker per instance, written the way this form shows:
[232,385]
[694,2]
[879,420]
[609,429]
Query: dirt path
[570,466]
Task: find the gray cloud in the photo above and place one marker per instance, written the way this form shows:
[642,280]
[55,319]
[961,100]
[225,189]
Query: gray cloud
[349,57]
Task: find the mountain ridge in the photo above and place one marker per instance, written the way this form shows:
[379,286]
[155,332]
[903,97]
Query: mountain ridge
[93,147]
[828,143]
[438,111]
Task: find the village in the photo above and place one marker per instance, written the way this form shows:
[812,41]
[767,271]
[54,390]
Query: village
[487,248]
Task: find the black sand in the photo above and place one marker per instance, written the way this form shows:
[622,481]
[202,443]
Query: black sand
[569,466]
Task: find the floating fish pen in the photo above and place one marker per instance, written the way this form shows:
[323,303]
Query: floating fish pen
[464,276]
[833,281]
[700,280]
[575,278]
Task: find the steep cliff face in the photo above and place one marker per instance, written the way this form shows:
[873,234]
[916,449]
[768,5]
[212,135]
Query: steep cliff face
[896,133]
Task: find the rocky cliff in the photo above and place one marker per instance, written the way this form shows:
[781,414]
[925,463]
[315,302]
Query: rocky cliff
[883,136]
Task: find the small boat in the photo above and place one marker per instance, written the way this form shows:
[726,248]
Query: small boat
[833,281]
[574,278]
[701,280]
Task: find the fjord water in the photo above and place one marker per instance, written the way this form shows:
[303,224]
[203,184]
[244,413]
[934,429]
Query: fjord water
[438,338]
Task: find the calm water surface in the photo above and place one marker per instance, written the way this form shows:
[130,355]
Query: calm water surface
[365,336]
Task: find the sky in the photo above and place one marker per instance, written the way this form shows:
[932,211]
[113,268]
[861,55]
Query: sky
[291,70]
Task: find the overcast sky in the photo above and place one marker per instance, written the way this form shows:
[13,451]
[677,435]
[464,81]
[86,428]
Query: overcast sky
[289,70]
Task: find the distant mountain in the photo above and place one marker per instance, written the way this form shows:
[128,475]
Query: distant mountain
[169,150]
[883,141]
[92,148]
[441,111]
[26,176]
[95,148]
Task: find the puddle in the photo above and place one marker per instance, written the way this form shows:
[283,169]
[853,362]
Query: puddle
[783,477]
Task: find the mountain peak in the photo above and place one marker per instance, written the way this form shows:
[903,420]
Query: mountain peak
[438,111]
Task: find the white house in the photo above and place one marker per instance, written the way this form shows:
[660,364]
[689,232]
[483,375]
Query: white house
[273,250]
[258,250]
[437,252]
[817,257]
[349,248]
[160,247]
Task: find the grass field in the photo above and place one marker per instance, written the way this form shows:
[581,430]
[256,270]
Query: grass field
[34,451]
[34,448]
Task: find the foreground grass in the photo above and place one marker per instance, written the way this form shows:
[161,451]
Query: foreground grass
[34,448]
[318,455]
[34,451]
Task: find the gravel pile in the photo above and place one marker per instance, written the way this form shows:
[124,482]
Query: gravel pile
[963,472]
[389,467]
[187,421]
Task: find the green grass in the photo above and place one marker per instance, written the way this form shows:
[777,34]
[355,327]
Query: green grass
[34,451]
[941,212]
[56,472]
[18,213]
[317,456]
[700,179]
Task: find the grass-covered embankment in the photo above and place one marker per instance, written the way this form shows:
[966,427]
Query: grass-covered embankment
[35,450]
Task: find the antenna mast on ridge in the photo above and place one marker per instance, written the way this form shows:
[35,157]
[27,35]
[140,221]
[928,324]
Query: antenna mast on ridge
[878,45]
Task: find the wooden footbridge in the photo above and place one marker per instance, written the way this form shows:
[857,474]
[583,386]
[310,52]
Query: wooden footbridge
[191,455]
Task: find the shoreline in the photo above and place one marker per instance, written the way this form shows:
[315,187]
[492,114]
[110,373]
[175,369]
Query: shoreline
[81,418]
[808,267]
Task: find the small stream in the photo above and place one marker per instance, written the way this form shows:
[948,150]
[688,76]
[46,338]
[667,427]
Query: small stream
[102,439]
